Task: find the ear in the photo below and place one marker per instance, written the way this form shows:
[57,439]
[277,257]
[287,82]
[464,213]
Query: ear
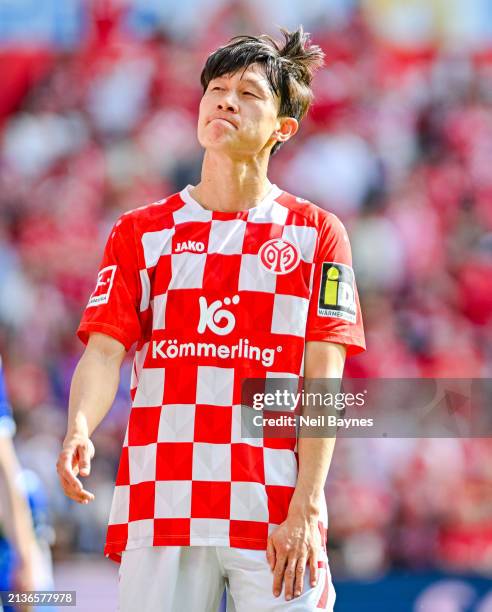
[287,127]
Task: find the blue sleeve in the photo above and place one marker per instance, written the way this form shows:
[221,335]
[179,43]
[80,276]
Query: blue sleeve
[7,425]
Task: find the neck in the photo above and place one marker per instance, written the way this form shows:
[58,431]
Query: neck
[229,185]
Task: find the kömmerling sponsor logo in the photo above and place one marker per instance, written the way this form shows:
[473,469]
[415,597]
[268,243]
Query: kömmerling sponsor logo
[171,349]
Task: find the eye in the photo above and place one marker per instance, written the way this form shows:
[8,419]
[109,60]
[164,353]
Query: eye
[249,93]
[217,88]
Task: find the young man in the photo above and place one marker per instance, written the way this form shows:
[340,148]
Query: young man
[227,280]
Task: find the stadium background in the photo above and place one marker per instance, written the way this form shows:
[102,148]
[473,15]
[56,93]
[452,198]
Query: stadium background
[97,116]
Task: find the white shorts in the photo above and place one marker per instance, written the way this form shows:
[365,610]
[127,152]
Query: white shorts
[193,578]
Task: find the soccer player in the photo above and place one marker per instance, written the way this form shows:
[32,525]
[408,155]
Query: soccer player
[25,564]
[230,279]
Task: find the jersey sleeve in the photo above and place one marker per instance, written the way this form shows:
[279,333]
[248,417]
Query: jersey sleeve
[113,307]
[334,310]
[7,424]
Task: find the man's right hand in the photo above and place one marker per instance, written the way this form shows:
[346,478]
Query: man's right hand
[74,460]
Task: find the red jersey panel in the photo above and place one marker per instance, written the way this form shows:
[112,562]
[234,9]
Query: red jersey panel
[212,298]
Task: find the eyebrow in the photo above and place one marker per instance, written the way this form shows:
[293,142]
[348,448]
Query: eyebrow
[253,82]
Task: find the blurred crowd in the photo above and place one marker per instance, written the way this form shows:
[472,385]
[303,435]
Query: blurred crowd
[398,145]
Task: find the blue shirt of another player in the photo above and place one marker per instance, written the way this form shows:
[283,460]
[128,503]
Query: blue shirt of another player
[7,425]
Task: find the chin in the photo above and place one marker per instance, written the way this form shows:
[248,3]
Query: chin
[217,144]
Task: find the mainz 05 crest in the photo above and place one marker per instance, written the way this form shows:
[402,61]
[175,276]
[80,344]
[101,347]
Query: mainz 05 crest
[279,256]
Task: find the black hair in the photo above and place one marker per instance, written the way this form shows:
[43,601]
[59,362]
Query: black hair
[289,68]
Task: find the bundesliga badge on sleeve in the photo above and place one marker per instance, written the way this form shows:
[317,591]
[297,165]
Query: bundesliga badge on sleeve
[104,284]
[337,292]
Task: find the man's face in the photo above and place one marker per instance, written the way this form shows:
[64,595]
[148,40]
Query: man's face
[238,113]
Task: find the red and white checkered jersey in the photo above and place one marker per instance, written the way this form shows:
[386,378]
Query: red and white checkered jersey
[212,298]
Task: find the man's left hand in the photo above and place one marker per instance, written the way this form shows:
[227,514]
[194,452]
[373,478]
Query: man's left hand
[294,544]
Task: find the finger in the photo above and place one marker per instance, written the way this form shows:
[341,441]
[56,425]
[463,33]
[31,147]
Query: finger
[72,493]
[278,574]
[87,496]
[270,554]
[82,497]
[65,469]
[72,482]
[289,578]
[75,492]
[299,578]
[313,567]
[84,460]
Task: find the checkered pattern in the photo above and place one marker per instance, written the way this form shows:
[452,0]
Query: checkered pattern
[190,289]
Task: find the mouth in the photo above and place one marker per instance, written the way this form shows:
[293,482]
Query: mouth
[222,120]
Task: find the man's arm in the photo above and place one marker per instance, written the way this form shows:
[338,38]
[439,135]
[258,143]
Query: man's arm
[297,540]
[16,516]
[92,392]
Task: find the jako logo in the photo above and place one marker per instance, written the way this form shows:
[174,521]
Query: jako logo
[211,316]
[190,245]
[279,256]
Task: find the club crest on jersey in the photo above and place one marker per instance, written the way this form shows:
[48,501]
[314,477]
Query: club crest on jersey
[337,292]
[279,256]
[190,245]
[104,284]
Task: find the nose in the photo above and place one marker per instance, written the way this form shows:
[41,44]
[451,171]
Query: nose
[228,103]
